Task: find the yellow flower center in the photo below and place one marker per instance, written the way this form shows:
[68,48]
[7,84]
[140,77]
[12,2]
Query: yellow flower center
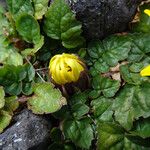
[147,12]
[65,68]
[145,71]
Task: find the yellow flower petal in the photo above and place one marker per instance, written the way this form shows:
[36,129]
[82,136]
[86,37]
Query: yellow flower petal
[147,12]
[145,71]
[65,68]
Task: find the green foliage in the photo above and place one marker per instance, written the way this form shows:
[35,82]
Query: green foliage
[21,6]
[60,23]
[11,104]
[107,53]
[79,131]
[132,77]
[5,119]
[32,51]
[108,135]
[46,99]
[135,102]
[112,114]
[2,95]
[124,101]
[111,136]
[7,106]
[105,85]
[100,106]
[40,7]
[28,28]
[140,46]
[12,77]
[9,54]
[141,128]
[5,25]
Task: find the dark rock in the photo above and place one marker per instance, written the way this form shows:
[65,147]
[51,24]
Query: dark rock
[101,18]
[29,132]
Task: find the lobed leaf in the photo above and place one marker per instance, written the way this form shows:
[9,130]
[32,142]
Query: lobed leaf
[100,107]
[132,103]
[109,134]
[60,23]
[46,99]
[79,131]
[105,85]
[140,47]
[132,77]
[108,53]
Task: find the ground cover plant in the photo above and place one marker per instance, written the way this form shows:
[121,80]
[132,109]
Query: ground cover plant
[95,91]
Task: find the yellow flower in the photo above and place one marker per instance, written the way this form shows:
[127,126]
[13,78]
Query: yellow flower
[147,12]
[65,68]
[145,71]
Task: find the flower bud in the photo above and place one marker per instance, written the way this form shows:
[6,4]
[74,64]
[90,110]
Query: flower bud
[145,71]
[65,68]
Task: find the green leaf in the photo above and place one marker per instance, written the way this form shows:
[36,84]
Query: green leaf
[131,103]
[101,105]
[28,28]
[60,23]
[30,72]
[40,7]
[79,109]
[109,134]
[105,85]
[46,99]
[5,26]
[5,119]
[131,77]
[27,88]
[95,49]
[139,140]
[80,97]
[18,7]
[11,77]
[2,99]
[109,52]
[79,131]
[126,144]
[140,134]
[53,17]
[140,47]
[32,51]
[11,104]
[141,128]
[9,54]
